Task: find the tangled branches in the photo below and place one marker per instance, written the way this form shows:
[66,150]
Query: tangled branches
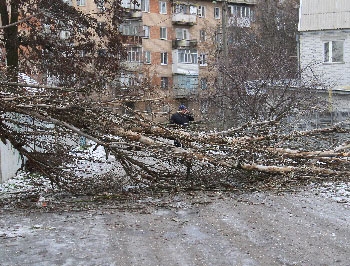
[90,148]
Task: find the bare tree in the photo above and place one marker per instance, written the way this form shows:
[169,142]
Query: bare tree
[258,78]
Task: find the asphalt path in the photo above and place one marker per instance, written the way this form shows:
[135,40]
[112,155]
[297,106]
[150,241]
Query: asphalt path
[262,228]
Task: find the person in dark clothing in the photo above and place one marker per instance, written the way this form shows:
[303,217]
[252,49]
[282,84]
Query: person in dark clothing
[182,117]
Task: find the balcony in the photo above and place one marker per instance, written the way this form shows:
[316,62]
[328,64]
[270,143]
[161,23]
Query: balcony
[133,40]
[183,93]
[242,22]
[184,19]
[184,43]
[132,14]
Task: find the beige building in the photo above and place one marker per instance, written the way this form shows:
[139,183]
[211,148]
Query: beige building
[172,46]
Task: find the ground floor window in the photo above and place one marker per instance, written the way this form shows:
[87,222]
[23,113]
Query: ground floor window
[334,51]
[186,82]
[164,82]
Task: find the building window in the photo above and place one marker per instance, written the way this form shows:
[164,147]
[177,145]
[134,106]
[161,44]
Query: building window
[216,12]
[164,82]
[147,57]
[68,2]
[334,51]
[185,9]
[240,11]
[188,82]
[164,58]
[202,59]
[100,30]
[134,54]
[145,5]
[204,83]
[100,6]
[64,34]
[81,2]
[131,28]
[146,30]
[187,56]
[163,33]
[202,35]
[201,11]
[127,80]
[182,34]
[162,7]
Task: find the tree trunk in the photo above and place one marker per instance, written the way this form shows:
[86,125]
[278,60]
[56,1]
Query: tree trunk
[10,37]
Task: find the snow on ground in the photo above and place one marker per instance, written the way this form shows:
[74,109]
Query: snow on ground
[34,184]
[30,183]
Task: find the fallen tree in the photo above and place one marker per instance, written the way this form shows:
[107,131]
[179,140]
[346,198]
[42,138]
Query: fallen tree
[143,154]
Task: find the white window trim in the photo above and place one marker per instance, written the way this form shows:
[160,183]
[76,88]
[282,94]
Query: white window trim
[217,15]
[147,57]
[81,2]
[134,54]
[162,4]
[145,6]
[182,34]
[330,52]
[189,56]
[163,31]
[147,31]
[203,59]
[163,58]
[201,11]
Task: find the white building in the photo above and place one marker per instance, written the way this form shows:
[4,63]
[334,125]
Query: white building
[324,46]
[10,161]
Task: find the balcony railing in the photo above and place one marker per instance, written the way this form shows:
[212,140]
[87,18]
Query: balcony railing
[182,92]
[184,19]
[242,22]
[132,14]
[184,43]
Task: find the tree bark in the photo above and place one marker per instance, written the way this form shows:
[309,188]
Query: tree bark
[10,37]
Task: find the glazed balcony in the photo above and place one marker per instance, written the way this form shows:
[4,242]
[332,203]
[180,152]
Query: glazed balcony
[184,19]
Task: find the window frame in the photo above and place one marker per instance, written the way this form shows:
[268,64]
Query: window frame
[81,2]
[164,58]
[163,31]
[162,7]
[145,6]
[147,57]
[217,13]
[164,82]
[202,35]
[328,56]
[201,11]
[202,59]
[134,54]
[147,31]
[187,56]
[183,33]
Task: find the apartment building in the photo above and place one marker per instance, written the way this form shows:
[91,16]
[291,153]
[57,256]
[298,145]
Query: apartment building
[172,45]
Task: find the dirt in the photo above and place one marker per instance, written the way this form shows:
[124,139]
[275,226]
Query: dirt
[204,228]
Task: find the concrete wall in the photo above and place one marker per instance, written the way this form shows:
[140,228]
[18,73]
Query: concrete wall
[10,161]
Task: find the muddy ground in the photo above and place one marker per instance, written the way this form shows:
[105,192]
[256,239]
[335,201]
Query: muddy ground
[203,228]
